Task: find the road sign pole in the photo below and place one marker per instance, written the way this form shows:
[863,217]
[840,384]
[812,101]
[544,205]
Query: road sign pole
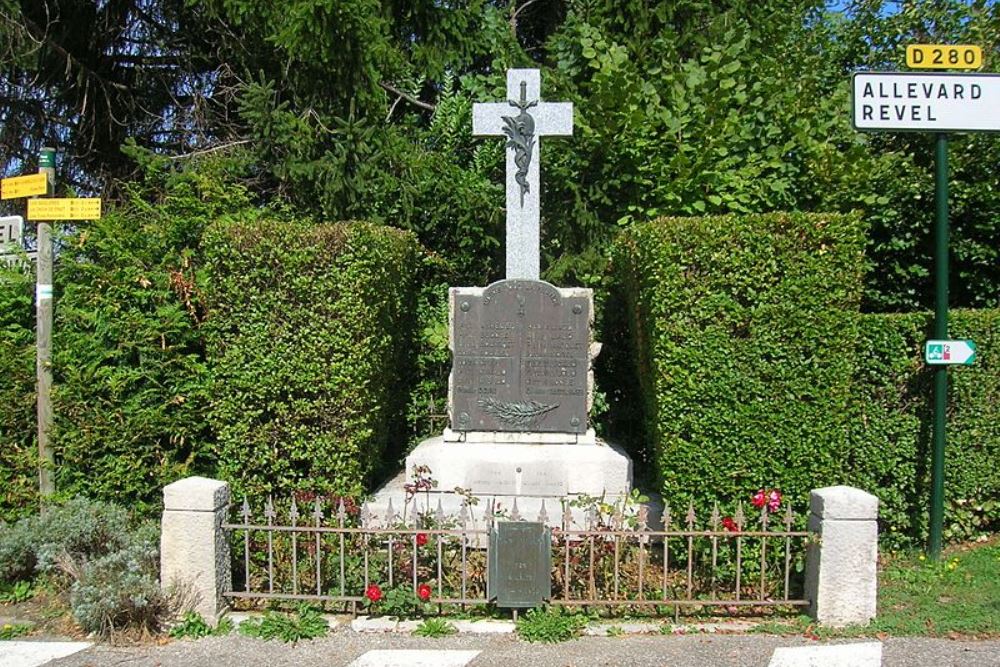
[43,313]
[941,332]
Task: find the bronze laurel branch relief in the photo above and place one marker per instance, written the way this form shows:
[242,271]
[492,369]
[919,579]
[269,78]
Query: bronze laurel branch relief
[521,415]
[520,131]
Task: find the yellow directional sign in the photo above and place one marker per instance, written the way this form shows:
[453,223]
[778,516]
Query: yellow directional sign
[64,209]
[23,186]
[944,56]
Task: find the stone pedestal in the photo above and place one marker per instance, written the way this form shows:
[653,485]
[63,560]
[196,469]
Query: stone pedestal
[194,550]
[841,568]
[503,469]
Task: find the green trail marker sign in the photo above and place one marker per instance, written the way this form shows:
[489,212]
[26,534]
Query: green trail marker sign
[938,103]
[950,352]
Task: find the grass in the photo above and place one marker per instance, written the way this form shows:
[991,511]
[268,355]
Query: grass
[957,596]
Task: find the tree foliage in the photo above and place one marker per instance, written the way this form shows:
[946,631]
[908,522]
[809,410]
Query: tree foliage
[362,109]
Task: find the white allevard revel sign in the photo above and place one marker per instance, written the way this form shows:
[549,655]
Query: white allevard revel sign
[927,102]
[11,228]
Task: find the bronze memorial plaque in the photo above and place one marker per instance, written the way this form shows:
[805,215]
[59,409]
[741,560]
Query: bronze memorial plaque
[521,359]
[520,567]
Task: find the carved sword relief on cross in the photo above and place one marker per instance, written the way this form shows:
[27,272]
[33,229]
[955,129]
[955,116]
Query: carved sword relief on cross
[520,131]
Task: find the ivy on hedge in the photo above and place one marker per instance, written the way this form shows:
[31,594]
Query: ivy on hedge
[756,369]
[308,331]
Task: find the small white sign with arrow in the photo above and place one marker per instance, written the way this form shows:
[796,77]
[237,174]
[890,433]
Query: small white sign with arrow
[949,352]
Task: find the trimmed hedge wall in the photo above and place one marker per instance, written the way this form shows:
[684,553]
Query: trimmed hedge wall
[18,448]
[172,357]
[741,325]
[309,338]
[756,369]
[891,436]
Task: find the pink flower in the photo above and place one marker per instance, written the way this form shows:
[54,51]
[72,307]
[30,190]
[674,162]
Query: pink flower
[424,592]
[421,539]
[373,593]
[730,525]
[774,500]
[769,498]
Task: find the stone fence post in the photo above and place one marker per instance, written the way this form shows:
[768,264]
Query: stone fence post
[194,551]
[841,568]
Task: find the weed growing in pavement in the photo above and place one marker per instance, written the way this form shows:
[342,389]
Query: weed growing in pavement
[435,627]
[305,623]
[550,625]
[194,626]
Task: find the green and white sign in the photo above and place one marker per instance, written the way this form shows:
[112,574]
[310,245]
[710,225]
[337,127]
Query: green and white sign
[949,352]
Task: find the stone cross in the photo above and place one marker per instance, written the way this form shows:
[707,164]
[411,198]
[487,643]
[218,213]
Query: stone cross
[523,119]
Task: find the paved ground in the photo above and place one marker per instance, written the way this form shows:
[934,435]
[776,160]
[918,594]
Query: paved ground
[345,648]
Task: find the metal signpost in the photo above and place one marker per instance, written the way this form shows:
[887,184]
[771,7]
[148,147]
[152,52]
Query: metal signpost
[939,103]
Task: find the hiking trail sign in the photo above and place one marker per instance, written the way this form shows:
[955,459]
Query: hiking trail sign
[949,352]
[64,209]
[24,186]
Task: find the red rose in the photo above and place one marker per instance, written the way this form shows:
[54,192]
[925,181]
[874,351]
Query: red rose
[424,592]
[730,525]
[373,593]
[421,539]
[759,499]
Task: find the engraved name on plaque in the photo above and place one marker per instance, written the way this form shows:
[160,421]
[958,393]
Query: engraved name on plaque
[521,359]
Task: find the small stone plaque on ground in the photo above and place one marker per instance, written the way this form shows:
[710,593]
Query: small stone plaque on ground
[520,566]
[521,358]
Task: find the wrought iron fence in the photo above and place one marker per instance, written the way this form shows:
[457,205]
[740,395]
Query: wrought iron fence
[601,556]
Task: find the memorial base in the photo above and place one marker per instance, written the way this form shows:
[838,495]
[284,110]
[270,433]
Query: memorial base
[500,472]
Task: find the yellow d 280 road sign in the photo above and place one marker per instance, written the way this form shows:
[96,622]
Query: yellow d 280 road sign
[24,186]
[64,209]
[944,56]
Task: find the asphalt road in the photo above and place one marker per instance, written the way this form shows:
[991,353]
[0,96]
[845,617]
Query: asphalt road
[344,646]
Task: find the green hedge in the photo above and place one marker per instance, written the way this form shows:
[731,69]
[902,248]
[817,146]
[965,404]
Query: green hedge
[892,429]
[18,448]
[130,391]
[741,324]
[140,400]
[309,329]
[756,369]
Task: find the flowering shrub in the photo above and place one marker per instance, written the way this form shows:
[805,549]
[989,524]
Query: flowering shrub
[767,498]
[730,525]
[421,539]
[400,601]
